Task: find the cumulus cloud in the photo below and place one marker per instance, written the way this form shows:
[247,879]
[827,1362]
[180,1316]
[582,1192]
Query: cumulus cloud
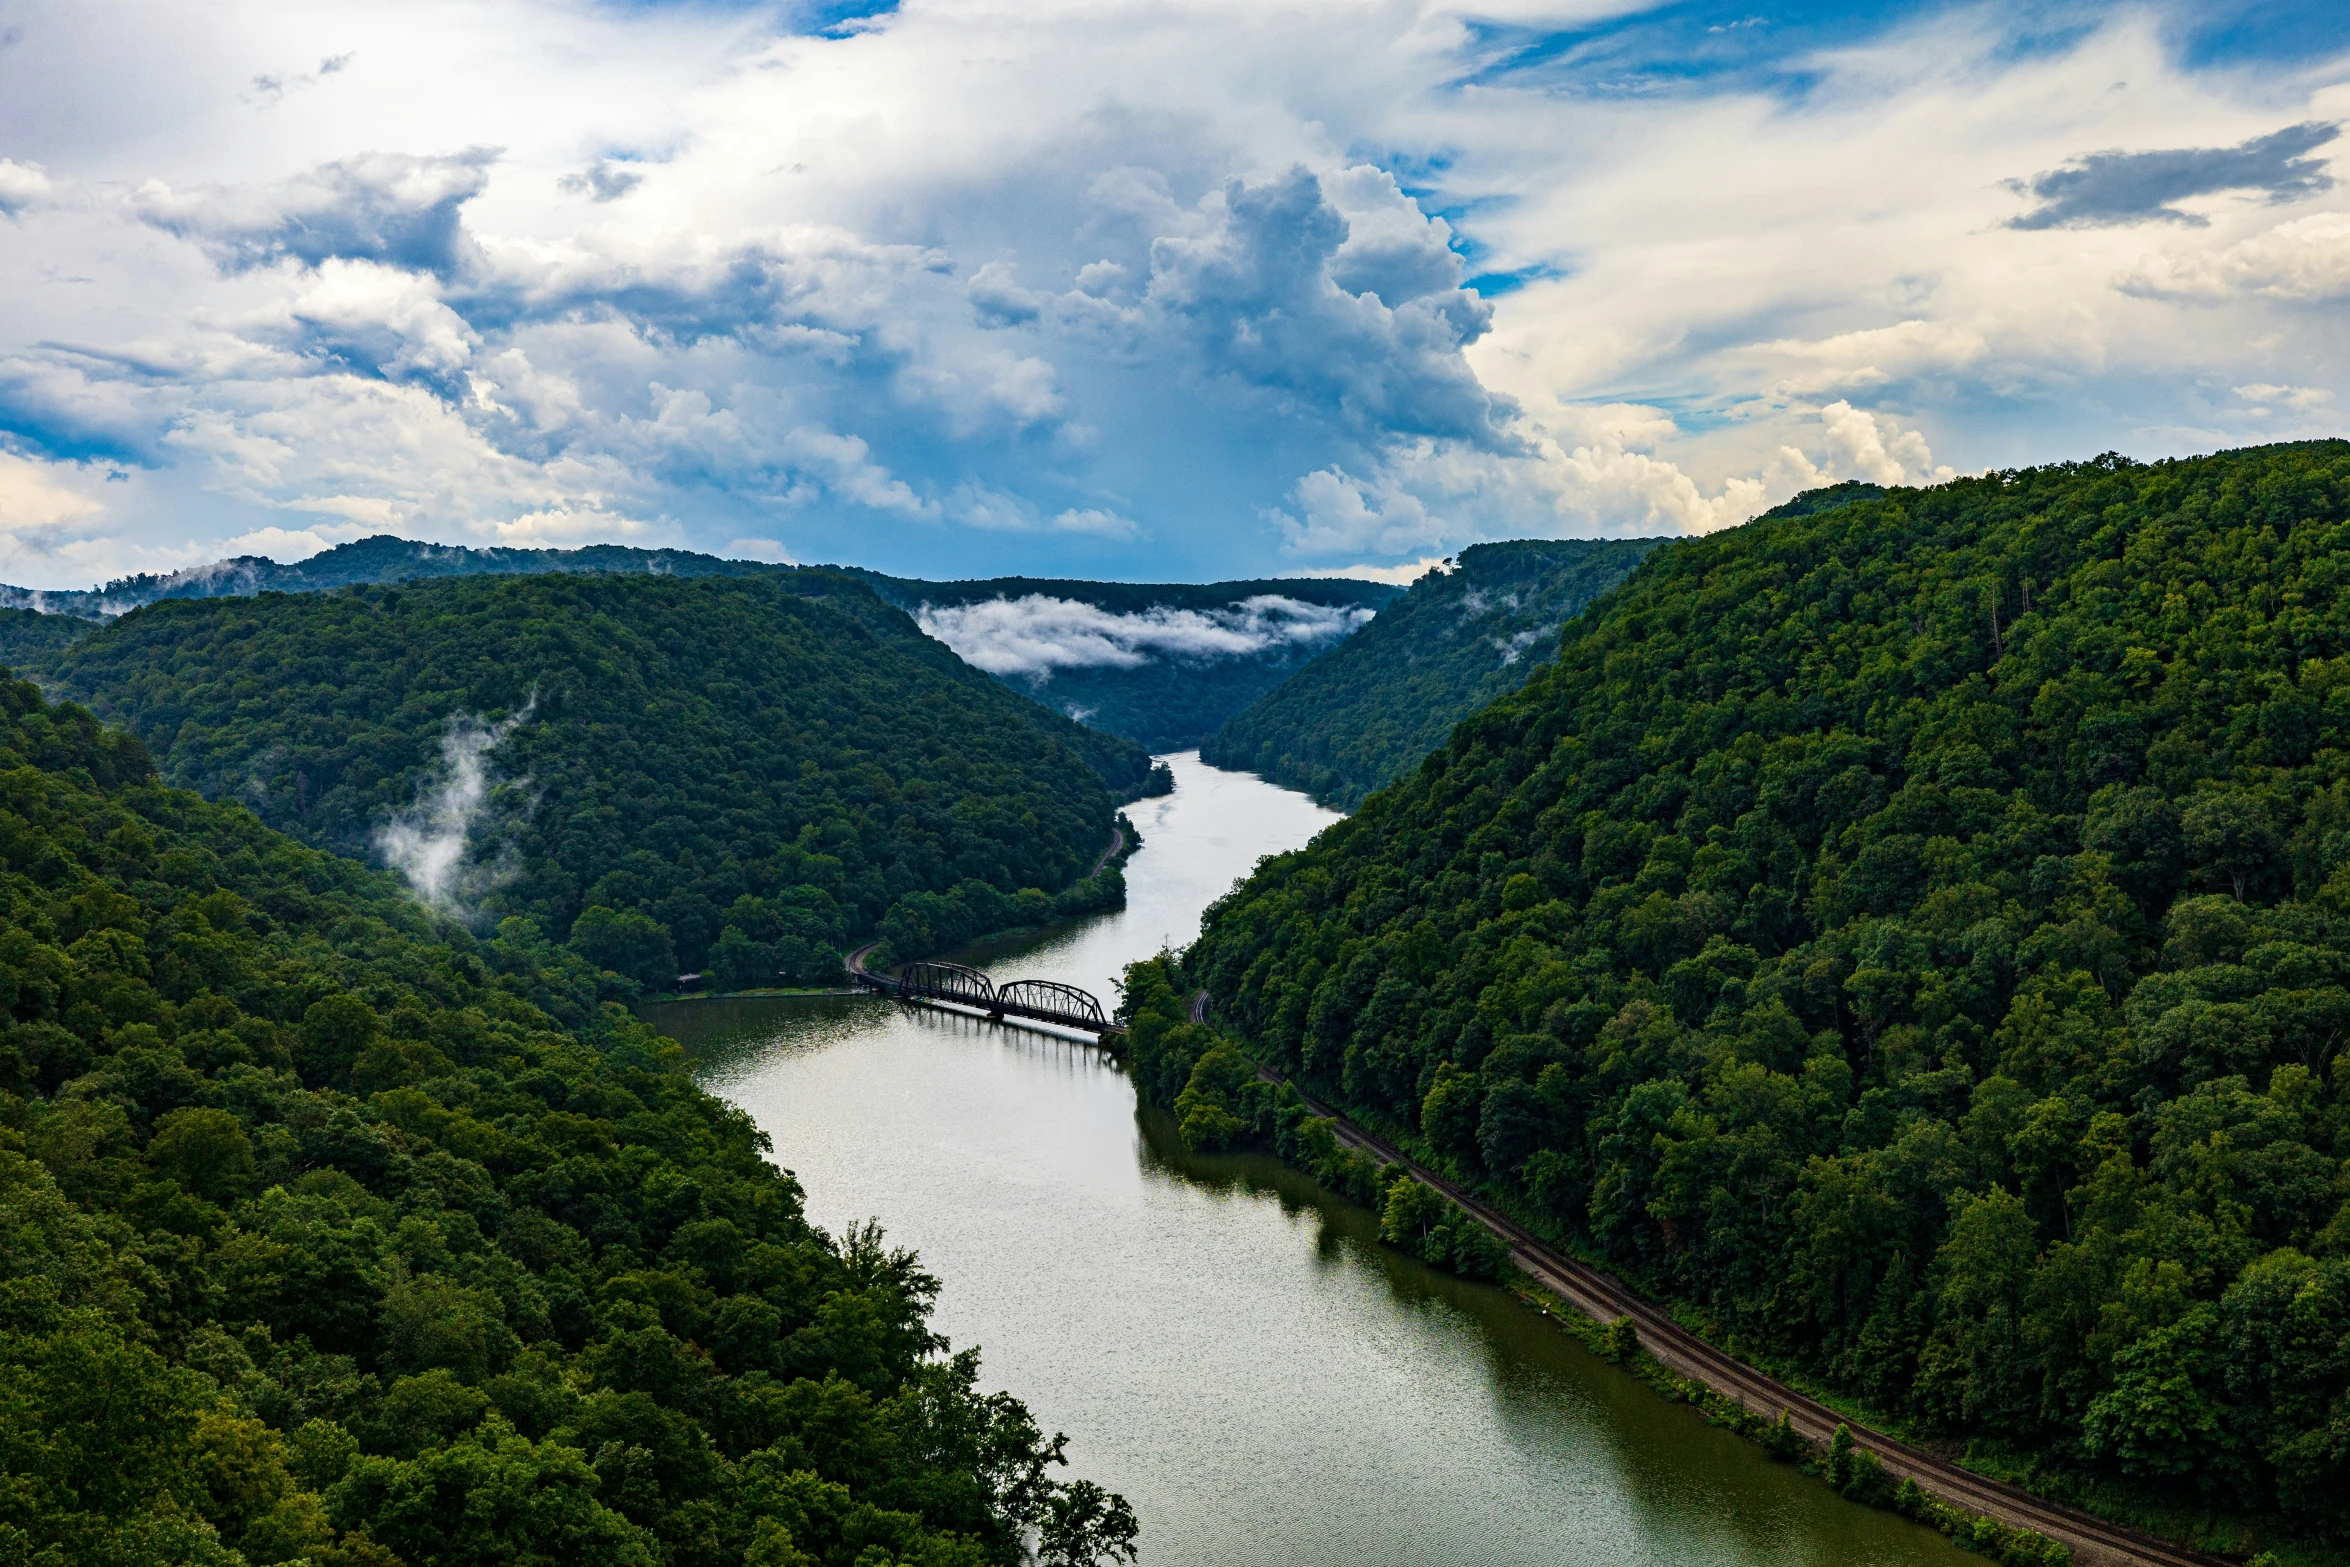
[21,185]
[1870,446]
[397,208]
[2146,187]
[1258,293]
[2306,261]
[1035,635]
[285,545]
[383,318]
[977,291]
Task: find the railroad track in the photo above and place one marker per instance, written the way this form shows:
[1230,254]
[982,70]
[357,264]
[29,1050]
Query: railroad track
[1600,1295]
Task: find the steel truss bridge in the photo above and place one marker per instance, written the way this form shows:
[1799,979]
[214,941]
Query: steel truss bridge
[1038,1000]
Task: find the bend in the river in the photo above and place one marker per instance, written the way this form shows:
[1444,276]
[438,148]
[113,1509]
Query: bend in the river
[1223,1342]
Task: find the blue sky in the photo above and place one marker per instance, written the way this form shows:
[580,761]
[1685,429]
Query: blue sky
[1101,287]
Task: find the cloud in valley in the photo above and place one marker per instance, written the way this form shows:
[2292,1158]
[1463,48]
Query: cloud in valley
[1035,635]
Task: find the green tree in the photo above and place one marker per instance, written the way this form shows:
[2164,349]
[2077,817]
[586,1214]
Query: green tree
[205,1150]
[635,946]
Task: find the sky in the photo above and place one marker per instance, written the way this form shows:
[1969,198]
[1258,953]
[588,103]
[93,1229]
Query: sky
[1129,289]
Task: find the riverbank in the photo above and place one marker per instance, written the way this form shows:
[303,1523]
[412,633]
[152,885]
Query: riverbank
[1228,1344]
[1602,1299]
[1226,1098]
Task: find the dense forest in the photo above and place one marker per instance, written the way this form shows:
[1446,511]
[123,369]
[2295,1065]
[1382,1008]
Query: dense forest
[380,558]
[30,640]
[1169,699]
[743,776]
[1914,936]
[331,1236]
[1366,711]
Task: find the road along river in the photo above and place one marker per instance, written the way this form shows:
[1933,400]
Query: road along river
[1223,1342]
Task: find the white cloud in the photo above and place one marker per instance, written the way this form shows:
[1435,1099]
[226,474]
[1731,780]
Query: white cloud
[1164,292]
[2304,261]
[1402,576]
[2300,399]
[279,544]
[1876,355]
[38,497]
[398,208]
[1036,635]
[769,550]
[1093,519]
[1871,447]
[21,185]
[390,320]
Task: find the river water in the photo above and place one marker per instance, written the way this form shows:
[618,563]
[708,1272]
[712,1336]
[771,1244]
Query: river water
[1223,1342]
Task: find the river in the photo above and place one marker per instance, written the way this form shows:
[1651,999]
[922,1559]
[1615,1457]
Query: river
[1222,1341]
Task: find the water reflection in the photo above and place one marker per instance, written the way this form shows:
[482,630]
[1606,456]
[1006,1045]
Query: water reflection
[1223,1341]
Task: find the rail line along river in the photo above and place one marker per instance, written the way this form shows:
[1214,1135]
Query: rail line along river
[1224,1343]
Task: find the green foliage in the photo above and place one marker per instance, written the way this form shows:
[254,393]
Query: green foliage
[1418,1219]
[633,945]
[29,640]
[322,1241]
[1222,1103]
[1621,1340]
[1369,709]
[1167,703]
[381,558]
[780,755]
[1916,936]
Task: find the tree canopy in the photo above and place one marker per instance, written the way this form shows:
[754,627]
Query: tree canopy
[1367,710]
[1914,936]
[781,756]
[383,557]
[330,1234]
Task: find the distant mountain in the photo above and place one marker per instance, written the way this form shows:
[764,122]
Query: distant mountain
[784,755]
[1159,663]
[382,558]
[1365,712]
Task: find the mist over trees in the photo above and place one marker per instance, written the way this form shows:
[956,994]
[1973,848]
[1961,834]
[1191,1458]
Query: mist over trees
[753,773]
[1162,664]
[1915,936]
[330,1234]
[1366,711]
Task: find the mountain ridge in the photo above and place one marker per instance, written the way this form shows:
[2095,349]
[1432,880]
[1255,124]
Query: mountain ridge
[1369,708]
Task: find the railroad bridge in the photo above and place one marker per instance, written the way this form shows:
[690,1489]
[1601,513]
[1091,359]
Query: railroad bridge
[1039,1000]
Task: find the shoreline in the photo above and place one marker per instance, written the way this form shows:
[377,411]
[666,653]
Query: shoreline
[1682,1354]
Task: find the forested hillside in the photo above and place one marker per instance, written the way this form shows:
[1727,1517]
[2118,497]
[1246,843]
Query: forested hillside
[1162,664]
[30,640]
[382,558]
[1916,937]
[1367,710]
[747,774]
[329,1236]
